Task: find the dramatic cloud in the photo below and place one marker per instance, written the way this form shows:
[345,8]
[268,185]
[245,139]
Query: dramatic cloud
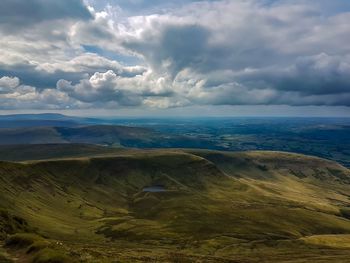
[109,87]
[173,54]
[18,14]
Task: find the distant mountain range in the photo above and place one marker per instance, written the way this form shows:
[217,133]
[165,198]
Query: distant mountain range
[40,116]
[43,120]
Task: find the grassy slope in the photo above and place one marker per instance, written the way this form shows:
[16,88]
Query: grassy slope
[22,152]
[243,207]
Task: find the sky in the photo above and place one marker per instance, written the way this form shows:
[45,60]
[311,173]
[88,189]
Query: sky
[183,57]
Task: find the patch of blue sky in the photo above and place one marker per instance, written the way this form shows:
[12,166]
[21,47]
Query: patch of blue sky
[121,58]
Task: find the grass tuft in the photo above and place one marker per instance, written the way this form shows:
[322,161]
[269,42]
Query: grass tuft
[48,255]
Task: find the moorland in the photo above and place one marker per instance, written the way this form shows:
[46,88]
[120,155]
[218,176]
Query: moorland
[99,192]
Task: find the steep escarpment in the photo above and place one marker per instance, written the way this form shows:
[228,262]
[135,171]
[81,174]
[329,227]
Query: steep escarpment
[168,205]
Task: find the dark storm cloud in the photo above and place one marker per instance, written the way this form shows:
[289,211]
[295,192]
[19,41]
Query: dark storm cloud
[245,52]
[315,75]
[177,46]
[16,14]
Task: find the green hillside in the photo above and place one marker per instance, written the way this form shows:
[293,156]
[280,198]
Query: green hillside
[176,206]
[22,152]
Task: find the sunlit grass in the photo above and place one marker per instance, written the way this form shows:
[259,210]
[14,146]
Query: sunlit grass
[219,206]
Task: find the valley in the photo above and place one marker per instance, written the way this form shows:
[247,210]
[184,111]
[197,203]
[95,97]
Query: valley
[217,207]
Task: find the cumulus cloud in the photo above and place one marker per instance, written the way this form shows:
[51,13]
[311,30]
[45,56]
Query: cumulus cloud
[89,63]
[110,87]
[197,53]
[14,95]
[8,83]
[249,52]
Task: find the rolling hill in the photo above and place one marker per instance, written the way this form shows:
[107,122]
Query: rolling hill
[97,134]
[107,135]
[175,206]
[23,152]
[323,137]
[43,120]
